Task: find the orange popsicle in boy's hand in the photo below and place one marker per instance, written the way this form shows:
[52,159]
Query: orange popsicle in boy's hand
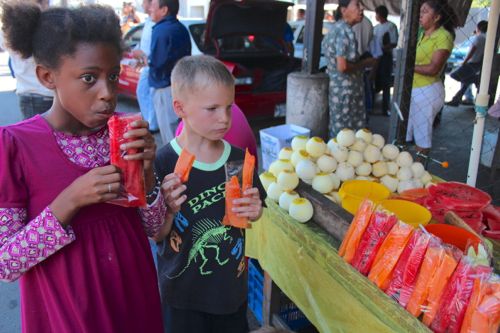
[184,165]
[248,169]
[233,191]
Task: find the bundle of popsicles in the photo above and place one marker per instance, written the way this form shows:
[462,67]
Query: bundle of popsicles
[434,281]
[233,191]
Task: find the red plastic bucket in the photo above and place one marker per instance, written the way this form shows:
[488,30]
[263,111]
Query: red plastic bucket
[454,235]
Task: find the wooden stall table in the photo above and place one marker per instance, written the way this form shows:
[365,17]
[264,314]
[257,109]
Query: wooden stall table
[303,261]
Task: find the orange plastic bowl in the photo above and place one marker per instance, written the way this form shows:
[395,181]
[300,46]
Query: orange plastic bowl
[454,235]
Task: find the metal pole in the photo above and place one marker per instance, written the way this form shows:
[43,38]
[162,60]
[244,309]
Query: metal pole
[483,97]
[312,36]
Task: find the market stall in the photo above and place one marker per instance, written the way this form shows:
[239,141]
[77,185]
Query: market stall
[303,260]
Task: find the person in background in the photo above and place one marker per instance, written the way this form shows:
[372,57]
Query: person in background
[386,36]
[34,98]
[129,17]
[288,38]
[363,31]
[434,45]
[240,134]
[141,53]
[84,264]
[301,14]
[345,70]
[364,37]
[329,16]
[470,70]
[201,262]
[170,42]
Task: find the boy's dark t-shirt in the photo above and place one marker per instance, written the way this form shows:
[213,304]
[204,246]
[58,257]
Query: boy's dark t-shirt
[201,263]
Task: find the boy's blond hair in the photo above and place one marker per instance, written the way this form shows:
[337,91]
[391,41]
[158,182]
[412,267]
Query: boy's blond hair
[197,72]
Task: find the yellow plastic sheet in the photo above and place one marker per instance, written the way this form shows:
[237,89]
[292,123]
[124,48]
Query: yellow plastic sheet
[303,261]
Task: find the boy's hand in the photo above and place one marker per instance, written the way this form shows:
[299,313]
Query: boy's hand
[172,189]
[249,205]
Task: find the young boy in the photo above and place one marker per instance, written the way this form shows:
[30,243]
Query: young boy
[201,263]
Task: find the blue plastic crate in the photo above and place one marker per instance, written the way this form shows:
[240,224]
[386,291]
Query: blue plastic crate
[289,312]
[255,289]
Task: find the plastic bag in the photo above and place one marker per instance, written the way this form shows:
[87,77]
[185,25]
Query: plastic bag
[456,297]
[494,110]
[379,227]
[233,191]
[483,312]
[438,283]
[248,171]
[358,225]
[245,171]
[388,254]
[433,257]
[132,192]
[234,168]
[406,271]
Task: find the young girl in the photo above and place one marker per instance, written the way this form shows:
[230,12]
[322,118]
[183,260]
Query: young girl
[85,264]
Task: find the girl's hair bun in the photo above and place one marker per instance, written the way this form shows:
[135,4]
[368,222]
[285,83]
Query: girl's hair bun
[20,20]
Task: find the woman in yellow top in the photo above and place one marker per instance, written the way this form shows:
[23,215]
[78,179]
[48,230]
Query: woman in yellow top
[434,45]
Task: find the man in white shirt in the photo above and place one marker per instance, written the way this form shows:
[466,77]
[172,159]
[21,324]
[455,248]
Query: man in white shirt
[385,36]
[141,54]
[34,98]
[470,71]
[364,36]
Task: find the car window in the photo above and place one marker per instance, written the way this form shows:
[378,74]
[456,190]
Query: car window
[133,37]
[198,33]
[235,44]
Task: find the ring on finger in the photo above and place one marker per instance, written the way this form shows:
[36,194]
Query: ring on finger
[109,188]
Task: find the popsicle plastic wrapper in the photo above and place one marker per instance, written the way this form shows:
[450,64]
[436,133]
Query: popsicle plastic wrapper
[389,253]
[358,225]
[235,171]
[456,297]
[438,283]
[434,255]
[379,227]
[248,171]
[406,271]
[483,313]
[132,192]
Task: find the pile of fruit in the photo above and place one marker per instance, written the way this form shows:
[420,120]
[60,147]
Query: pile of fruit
[351,155]
[472,205]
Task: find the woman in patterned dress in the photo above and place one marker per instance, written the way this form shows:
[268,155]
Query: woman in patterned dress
[84,264]
[345,69]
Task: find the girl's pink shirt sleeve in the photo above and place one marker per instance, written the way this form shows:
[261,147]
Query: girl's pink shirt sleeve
[240,134]
[23,244]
